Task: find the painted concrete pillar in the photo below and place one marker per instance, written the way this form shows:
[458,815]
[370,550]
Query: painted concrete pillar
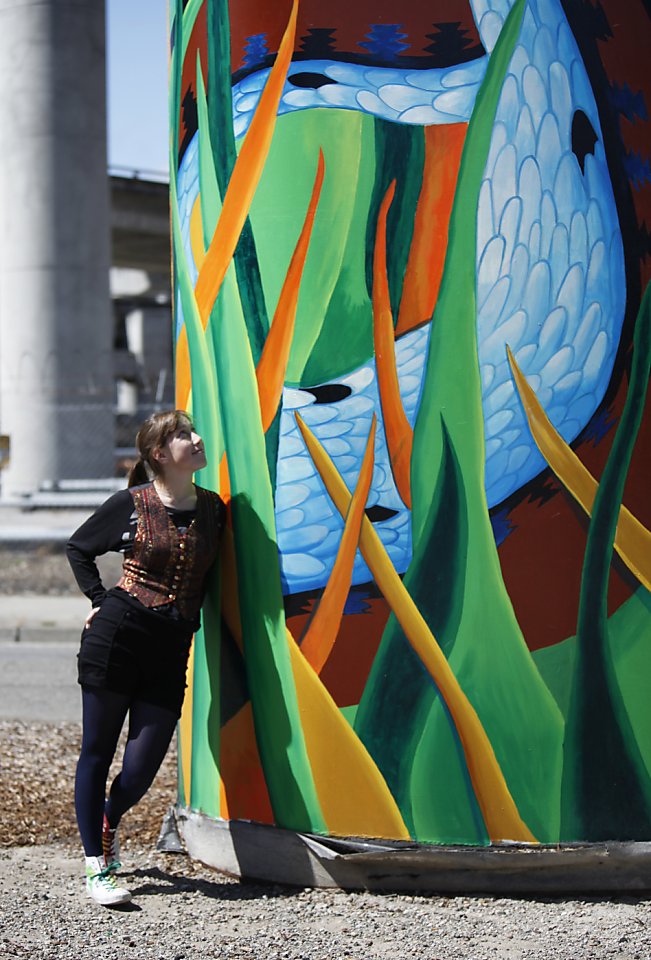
[446,222]
[56,384]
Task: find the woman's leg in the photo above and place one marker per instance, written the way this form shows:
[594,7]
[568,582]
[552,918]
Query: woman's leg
[150,731]
[103,714]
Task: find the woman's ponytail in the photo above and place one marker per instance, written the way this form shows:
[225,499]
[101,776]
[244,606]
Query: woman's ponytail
[138,474]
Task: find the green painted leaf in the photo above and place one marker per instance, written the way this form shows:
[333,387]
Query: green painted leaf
[346,337]
[189,18]
[209,194]
[400,155]
[606,785]
[206,710]
[485,647]
[270,679]
[397,679]
[205,402]
[271,683]
[629,639]
[278,213]
[222,139]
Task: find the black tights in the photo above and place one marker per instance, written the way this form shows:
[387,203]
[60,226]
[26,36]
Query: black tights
[150,732]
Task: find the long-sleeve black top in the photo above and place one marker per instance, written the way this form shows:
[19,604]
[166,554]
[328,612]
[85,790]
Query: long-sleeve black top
[112,528]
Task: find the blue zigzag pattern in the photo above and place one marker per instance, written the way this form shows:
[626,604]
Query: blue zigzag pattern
[631,105]
[638,169]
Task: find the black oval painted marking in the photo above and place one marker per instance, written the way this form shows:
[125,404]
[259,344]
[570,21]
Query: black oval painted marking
[584,137]
[329,393]
[309,81]
[378,513]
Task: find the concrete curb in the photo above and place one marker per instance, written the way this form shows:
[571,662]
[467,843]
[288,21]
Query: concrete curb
[38,635]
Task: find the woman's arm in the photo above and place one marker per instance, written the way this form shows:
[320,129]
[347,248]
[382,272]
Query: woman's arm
[108,529]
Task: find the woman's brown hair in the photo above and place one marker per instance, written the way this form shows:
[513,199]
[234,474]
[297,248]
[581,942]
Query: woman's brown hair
[154,432]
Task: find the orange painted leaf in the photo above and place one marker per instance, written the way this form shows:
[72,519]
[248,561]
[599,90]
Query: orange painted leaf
[396,426]
[245,177]
[224,480]
[272,365]
[245,789]
[321,632]
[443,148]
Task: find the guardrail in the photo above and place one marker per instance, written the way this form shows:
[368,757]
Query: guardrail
[138,173]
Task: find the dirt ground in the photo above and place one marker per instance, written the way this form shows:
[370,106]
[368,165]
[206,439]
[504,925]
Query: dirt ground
[37,768]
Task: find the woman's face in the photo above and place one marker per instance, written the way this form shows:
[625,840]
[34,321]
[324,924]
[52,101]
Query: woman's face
[183,451]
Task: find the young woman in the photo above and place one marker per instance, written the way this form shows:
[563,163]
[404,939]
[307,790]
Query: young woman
[137,636]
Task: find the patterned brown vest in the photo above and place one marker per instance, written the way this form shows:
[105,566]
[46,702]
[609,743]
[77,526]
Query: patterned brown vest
[168,567]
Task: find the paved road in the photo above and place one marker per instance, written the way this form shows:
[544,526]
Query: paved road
[39,638]
[38,681]
[39,635]
[38,650]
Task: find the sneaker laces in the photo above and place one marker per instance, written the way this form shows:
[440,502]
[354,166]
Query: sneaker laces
[105,875]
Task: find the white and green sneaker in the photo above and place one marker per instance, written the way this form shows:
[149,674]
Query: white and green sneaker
[101,885]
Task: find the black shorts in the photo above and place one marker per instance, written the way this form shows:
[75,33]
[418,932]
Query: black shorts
[135,651]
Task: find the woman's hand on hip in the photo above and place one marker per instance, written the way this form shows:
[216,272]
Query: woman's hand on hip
[89,618]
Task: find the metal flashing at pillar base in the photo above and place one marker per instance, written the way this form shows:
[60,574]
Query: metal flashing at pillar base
[258,852]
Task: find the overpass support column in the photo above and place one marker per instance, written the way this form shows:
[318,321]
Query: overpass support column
[56,382]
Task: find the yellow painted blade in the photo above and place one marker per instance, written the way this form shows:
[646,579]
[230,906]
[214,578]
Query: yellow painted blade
[500,813]
[245,177]
[632,539]
[183,374]
[185,731]
[352,792]
[322,630]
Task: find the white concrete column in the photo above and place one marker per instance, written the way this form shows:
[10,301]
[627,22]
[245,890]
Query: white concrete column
[56,381]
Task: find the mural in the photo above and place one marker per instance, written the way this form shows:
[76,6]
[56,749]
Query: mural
[410,252]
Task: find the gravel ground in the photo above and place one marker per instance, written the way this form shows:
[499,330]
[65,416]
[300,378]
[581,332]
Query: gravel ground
[182,911]
[185,911]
